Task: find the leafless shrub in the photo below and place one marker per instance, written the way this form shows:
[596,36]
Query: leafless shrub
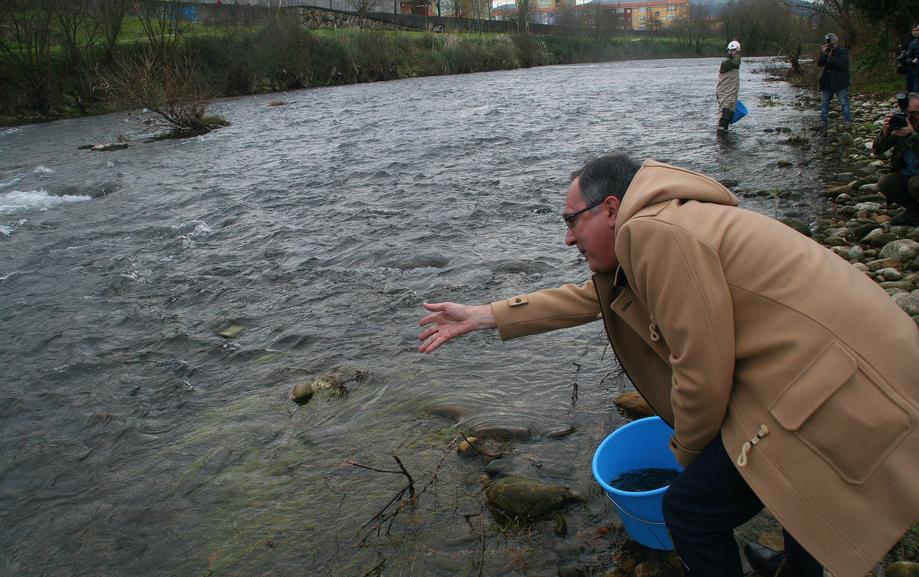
[168,86]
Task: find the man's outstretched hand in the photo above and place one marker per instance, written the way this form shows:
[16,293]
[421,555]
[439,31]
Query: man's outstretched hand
[450,320]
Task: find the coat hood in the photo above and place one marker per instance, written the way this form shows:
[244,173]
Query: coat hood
[657,182]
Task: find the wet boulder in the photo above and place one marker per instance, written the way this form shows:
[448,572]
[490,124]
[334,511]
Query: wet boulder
[528,500]
[109,147]
[335,384]
[502,432]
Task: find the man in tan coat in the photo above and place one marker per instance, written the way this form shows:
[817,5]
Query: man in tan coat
[790,379]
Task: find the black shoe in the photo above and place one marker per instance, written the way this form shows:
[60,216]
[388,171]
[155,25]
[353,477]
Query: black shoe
[765,561]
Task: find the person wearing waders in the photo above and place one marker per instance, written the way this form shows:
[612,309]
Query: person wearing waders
[728,85]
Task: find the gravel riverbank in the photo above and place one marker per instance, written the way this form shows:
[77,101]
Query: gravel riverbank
[856,221]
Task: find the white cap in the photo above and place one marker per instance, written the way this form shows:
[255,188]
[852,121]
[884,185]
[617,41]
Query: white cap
[733,45]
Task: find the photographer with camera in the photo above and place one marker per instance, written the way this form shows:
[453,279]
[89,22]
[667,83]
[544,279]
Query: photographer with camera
[834,79]
[899,133]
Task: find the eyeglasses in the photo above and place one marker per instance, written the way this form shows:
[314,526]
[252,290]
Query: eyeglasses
[572,219]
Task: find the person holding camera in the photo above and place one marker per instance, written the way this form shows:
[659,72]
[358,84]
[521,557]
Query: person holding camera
[834,79]
[728,85]
[899,133]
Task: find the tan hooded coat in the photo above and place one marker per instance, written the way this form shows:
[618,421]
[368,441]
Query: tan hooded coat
[727,320]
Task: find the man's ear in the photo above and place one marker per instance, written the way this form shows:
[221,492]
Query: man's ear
[611,206]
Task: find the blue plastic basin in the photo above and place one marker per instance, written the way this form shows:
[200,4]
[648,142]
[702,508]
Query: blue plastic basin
[641,444]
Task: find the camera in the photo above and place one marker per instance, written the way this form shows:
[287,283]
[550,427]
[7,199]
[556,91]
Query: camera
[827,40]
[898,120]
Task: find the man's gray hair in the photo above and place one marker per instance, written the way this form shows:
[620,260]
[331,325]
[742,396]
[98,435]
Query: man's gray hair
[833,38]
[605,176]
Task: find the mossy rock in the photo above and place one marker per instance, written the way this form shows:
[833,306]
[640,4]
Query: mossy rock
[519,499]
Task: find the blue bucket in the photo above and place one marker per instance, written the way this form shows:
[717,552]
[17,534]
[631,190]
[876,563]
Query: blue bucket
[739,112]
[640,444]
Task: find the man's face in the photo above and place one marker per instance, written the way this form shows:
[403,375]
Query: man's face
[916,32]
[913,110]
[593,231]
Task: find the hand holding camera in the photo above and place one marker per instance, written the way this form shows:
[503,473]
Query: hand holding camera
[898,122]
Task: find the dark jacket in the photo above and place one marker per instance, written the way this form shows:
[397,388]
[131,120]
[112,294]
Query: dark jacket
[912,52]
[835,75]
[899,145]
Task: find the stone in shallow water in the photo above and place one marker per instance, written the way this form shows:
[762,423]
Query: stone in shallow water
[559,432]
[523,499]
[644,479]
[505,433]
[231,332]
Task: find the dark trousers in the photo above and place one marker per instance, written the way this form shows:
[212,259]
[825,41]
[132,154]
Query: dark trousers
[912,79]
[704,505]
[901,189]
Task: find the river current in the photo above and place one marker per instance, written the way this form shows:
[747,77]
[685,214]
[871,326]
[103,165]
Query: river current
[137,441]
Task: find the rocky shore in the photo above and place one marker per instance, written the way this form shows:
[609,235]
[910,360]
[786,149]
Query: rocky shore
[857,223]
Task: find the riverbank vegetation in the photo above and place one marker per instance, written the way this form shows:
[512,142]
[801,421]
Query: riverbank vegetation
[62,58]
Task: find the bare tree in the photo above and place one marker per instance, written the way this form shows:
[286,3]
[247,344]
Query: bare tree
[694,30]
[162,23]
[110,15]
[170,87]
[844,14]
[78,31]
[523,14]
[26,28]
[362,8]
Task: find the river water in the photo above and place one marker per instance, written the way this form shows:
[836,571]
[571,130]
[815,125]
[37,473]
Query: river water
[136,441]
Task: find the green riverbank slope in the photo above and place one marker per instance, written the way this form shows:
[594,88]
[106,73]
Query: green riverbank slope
[62,79]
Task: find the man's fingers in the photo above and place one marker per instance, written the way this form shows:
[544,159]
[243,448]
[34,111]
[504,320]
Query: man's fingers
[427,332]
[435,306]
[431,345]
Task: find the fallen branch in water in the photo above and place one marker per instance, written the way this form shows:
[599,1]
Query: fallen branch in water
[387,515]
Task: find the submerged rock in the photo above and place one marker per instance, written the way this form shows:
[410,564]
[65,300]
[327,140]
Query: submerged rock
[528,500]
[504,433]
[230,332]
[336,383]
[109,147]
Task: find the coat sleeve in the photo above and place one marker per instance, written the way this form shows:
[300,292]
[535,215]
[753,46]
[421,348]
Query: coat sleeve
[883,143]
[681,280]
[546,310]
